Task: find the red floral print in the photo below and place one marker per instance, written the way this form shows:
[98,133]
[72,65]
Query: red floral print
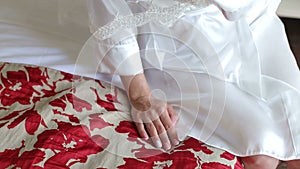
[16,82]
[70,143]
[180,159]
[214,165]
[227,156]
[113,98]
[30,159]
[31,117]
[77,103]
[108,105]
[72,118]
[195,145]
[43,110]
[10,156]
[97,122]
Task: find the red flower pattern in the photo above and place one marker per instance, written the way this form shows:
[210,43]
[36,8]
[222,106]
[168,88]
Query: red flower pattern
[108,105]
[77,103]
[31,117]
[68,142]
[180,159]
[97,122]
[214,165]
[59,126]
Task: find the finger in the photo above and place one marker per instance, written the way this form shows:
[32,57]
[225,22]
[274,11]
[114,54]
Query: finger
[139,124]
[172,133]
[162,133]
[170,128]
[172,114]
[141,130]
[153,134]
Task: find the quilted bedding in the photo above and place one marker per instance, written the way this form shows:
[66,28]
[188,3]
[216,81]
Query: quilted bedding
[51,119]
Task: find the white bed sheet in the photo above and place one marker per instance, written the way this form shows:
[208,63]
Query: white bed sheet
[31,33]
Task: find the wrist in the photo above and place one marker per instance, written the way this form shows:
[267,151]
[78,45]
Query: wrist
[136,87]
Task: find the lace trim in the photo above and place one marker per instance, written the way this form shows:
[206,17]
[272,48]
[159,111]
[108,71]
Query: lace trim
[164,15]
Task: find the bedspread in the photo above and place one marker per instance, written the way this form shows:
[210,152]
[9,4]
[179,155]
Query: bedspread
[52,119]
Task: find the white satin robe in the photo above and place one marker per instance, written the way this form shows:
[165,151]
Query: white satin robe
[225,67]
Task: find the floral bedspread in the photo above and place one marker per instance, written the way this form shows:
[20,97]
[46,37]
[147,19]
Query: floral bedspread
[54,120]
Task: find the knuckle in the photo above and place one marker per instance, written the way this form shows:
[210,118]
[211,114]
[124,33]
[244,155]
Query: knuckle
[162,110]
[172,133]
[154,115]
[169,107]
[168,126]
[149,126]
[174,115]
[141,126]
[160,129]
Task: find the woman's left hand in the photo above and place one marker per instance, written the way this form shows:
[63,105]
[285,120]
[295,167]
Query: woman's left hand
[156,119]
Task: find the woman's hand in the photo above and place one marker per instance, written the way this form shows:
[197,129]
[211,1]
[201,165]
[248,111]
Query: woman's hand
[156,119]
[153,118]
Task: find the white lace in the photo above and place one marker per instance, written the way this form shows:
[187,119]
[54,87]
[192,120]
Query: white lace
[163,15]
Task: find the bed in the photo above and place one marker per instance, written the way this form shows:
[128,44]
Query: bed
[52,118]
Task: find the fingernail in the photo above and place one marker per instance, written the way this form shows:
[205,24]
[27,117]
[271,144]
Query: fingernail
[175,142]
[167,146]
[158,144]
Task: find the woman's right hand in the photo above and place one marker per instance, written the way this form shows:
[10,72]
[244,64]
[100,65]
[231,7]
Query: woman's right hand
[153,117]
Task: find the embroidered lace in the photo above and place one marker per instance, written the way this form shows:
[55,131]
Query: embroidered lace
[155,13]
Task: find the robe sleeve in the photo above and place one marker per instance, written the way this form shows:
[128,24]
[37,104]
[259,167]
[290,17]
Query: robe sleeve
[119,53]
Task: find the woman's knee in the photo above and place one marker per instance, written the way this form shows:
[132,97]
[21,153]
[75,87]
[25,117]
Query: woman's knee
[294,164]
[260,161]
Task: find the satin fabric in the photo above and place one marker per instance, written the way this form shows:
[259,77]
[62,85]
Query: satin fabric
[225,67]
